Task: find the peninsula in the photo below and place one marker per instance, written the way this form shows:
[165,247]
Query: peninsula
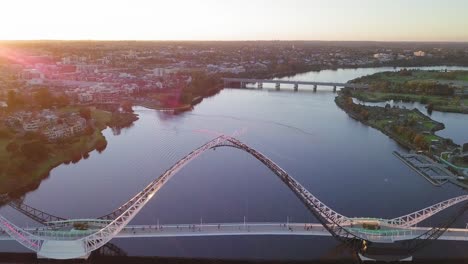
[409,127]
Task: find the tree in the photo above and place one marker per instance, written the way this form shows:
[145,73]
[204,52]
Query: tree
[127,107]
[35,151]
[430,108]
[5,133]
[12,147]
[89,130]
[44,98]
[420,141]
[365,114]
[62,100]
[14,100]
[11,99]
[85,113]
[31,135]
[101,145]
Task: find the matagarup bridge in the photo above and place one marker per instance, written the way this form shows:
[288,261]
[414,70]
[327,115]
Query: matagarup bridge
[60,239]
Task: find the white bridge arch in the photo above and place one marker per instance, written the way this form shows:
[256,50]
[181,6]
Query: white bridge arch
[76,246]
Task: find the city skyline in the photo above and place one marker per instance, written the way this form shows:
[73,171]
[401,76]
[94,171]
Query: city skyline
[236,20]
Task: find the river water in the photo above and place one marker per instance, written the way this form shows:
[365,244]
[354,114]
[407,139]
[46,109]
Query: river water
[347,165]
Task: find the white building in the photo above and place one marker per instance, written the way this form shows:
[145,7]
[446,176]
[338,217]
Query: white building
[85,97]
[419,53]
[87,68]
[29,74]
[383,56]
[35,81]
[32,125]
[161,72]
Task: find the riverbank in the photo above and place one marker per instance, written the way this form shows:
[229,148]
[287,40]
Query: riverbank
[19,171]
[410,128]
[156,106]
[439,103]
[444,91]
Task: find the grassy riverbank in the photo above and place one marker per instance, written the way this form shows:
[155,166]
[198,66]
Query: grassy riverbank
[402,77]
[440,91]
[439,103]
[410,128]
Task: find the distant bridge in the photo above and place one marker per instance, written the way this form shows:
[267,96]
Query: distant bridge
[77,238]
[242,82]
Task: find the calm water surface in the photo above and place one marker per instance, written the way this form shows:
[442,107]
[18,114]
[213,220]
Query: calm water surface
[347,165]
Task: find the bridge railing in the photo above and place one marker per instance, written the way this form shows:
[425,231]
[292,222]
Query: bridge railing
[62,234]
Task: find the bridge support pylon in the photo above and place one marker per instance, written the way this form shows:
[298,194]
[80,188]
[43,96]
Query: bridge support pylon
[277,86]
[315,88]
[296,87]
[73,249]
[334,89]
[260,85]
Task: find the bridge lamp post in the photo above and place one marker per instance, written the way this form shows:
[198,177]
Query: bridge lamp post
[466,233]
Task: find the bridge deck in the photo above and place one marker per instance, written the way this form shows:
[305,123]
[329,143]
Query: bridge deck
[258,229]
[246,80]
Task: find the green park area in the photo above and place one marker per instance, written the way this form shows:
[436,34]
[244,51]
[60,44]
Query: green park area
[405,76]
[410,128]
[440,91]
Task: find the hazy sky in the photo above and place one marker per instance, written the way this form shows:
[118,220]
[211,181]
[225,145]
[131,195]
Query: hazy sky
[419,20]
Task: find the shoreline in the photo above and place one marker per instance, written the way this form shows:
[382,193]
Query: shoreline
[85,145]
[403,98]
[47,166]
[406,145]
[402,143]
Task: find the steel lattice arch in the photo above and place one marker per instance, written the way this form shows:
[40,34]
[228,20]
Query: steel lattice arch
[50,244]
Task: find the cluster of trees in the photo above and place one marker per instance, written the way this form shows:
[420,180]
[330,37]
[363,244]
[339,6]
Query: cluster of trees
[380,82]
[122,120]
[357,109]
[45,99]
[85,113]
[410,135]
[405,72]
[34,151]
[453,75]
[15,100]
[42,98]
[5,133]
[101,145]
[422,87]
[427,88]
[201,85]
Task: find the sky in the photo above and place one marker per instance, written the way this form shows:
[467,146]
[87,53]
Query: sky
[375,20]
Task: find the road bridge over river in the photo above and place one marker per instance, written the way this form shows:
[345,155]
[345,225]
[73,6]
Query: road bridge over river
[242,83]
